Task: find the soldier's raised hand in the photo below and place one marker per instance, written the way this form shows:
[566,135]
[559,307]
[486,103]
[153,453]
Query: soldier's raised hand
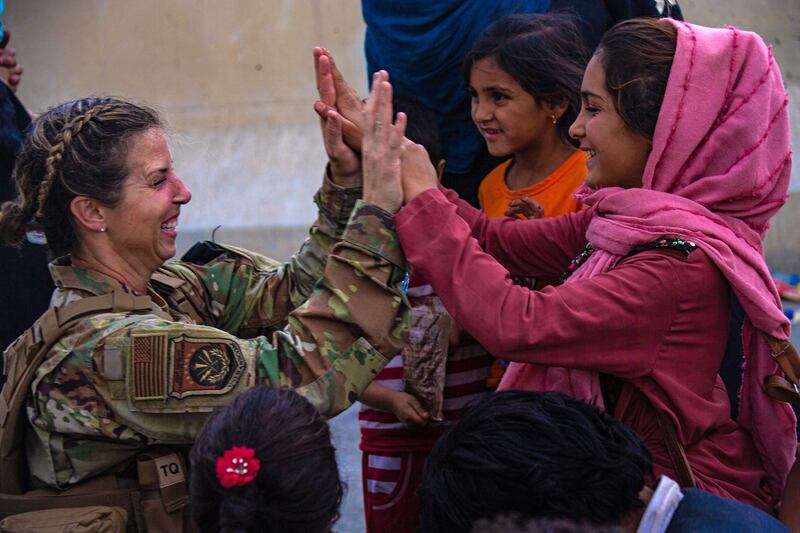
[336,94]
[345,163]
[381,147]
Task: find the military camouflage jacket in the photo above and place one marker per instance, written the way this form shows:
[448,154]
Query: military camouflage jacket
[118,382]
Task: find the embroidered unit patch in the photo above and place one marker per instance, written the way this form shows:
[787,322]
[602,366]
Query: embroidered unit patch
[169,371]
[202,366]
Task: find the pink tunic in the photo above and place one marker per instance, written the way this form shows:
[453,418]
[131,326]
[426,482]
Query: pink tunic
[659,321]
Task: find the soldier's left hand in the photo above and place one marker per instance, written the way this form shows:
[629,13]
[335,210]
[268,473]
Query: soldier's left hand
[345,163]
[339,96]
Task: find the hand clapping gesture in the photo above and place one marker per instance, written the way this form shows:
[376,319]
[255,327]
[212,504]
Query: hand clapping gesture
[364,128]
[382,147]
[336,94]
[345,163]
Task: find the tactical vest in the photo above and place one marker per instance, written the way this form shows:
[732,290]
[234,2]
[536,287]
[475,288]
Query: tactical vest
[157,500]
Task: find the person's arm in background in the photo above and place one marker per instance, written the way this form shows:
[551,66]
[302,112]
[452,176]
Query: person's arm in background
[10,70]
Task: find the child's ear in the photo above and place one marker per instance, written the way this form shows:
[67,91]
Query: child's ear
[556,109]
[440,169]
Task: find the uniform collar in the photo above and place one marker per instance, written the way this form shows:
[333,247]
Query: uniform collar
[66,277]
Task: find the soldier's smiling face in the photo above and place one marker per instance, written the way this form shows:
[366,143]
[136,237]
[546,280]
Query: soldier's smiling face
[142,228]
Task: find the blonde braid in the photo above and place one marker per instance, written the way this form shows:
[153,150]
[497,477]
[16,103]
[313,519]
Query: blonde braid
[53,162]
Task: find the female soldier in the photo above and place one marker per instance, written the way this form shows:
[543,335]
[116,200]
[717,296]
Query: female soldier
[160,350]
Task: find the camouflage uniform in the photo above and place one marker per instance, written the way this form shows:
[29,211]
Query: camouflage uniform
[118,382]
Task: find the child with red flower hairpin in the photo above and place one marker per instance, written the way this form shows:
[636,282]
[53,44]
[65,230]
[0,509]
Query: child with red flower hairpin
[265,463]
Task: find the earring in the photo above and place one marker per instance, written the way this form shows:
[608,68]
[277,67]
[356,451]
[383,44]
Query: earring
[103,229]
[555,120]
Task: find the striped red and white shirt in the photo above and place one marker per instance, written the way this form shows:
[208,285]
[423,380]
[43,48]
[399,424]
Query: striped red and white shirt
[466,371]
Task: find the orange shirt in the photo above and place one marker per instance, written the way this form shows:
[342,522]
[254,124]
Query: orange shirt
[554,192]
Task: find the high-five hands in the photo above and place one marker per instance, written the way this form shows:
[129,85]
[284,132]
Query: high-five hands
[336,94]
[345,163]
[392,165]
[382,147]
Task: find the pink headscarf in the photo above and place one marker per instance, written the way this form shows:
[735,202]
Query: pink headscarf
[718,172]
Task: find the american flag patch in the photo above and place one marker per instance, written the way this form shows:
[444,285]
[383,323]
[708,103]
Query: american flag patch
[149,367]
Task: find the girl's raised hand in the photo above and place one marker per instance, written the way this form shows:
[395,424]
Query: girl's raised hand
[419,174]
[381,147]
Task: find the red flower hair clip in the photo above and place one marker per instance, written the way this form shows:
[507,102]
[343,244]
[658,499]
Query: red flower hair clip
[237,466]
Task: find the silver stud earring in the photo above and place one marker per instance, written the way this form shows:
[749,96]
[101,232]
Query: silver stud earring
[103,229]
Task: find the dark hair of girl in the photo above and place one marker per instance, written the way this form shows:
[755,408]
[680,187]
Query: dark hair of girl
[75,149]
[637,56]
[544,53]
[297,489]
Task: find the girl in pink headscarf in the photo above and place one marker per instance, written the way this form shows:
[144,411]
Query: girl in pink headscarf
[688,133]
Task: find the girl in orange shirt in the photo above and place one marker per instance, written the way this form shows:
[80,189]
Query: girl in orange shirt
[524,74]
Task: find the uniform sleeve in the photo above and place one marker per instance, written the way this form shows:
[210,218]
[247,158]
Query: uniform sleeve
[246,293]
[143,379]
[334,204]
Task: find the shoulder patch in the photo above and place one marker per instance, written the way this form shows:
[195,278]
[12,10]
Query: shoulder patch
[175,372]
[149,366]
[204,366]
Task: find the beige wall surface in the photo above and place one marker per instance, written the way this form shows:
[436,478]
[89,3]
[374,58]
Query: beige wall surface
[778,22]
[234,79]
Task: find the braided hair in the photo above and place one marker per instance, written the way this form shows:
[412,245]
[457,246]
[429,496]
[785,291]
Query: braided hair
[74,149]
[297,488]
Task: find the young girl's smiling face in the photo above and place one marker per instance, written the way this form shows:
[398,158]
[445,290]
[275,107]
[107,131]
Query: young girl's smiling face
[508,117]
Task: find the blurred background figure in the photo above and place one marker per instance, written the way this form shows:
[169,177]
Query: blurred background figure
[25,286]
